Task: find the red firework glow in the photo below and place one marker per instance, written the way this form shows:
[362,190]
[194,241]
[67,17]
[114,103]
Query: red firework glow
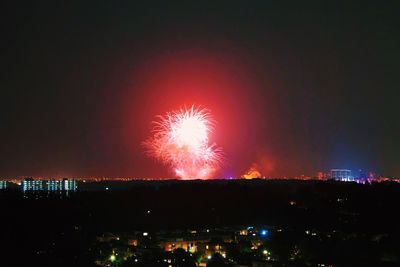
[181,139]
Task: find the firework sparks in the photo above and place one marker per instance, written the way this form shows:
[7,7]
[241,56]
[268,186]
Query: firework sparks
[180,139]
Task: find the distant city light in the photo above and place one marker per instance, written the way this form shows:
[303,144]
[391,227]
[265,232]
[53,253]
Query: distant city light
[264,232]
[145,234]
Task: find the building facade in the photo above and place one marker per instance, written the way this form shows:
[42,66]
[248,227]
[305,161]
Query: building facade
[3,185]
[31,185]
[341,175]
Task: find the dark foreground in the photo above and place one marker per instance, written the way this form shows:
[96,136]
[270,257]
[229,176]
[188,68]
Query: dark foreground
[308,222]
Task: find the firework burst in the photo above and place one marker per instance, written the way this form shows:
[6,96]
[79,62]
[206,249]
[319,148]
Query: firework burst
[180,139]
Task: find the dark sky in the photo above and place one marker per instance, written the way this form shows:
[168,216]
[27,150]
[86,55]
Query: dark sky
[295,86]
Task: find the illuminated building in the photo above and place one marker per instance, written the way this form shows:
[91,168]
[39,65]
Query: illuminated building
[3,185]
[187,245]
[243,232]
[69,185]
[54,185]
[341,175]
[31,185]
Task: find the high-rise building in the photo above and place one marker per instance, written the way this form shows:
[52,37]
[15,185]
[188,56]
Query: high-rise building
[32,185]
[341,175]
[49,185]
[69,184]
[54,185]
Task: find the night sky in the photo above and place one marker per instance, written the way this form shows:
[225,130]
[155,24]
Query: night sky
[295,86]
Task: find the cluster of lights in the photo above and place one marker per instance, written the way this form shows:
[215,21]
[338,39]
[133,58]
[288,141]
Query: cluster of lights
[258,233]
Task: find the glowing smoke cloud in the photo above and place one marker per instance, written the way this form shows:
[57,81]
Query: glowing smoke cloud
[180,139]
[252,173]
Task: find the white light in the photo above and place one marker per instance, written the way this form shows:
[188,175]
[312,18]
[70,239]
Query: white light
[209,257]
[145,234]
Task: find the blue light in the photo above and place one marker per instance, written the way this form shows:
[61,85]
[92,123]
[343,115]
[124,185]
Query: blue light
[264,232]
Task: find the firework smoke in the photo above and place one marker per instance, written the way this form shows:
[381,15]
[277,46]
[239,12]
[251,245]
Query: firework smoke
[180,140]
[252,173]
